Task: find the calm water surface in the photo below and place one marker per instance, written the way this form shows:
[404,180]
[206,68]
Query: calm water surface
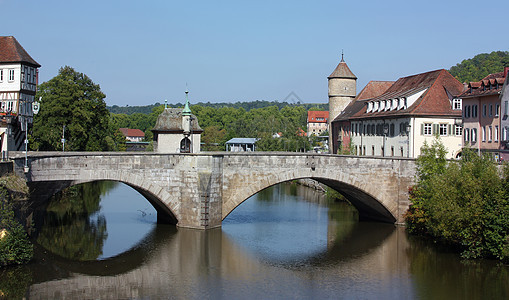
[287,242]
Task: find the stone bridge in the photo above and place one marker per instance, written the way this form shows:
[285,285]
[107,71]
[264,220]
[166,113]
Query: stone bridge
[200,190]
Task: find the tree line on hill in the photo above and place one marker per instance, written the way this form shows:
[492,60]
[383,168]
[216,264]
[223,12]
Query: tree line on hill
[480,66]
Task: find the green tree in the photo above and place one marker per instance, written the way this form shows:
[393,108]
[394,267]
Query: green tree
[15,248]
[480,66]
[73,100]
[463,203]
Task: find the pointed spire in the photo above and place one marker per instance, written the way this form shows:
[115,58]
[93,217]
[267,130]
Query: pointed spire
[342,70]
[187,110]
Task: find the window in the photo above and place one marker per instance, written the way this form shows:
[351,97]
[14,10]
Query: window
[11,74]
[427,129]
[497,108]
[491,110]
[506,108]
[484,110]
[467,111]
[443,129]
[474,111]
[391,130]
[504,134]
[457,130]
[2,76]
[456,104]
[473,135]
[465,137]
[483,134]
[489,133]
[495,136]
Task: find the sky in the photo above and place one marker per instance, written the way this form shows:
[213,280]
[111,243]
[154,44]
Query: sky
[143,52]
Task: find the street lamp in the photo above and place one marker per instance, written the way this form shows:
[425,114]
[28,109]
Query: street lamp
[408,128]
[386,130]
[35,110]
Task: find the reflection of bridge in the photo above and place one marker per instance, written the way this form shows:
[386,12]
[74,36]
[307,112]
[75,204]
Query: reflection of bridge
[200,190]
[195,264]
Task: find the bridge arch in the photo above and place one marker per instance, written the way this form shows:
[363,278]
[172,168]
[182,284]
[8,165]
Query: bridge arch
[363,198]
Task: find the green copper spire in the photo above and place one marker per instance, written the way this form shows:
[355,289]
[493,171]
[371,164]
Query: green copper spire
[187,110]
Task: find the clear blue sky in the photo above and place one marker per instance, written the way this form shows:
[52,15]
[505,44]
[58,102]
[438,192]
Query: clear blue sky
[142,52]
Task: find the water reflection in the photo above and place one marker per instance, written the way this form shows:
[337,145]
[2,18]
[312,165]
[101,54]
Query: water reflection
[95,220]
[344,259]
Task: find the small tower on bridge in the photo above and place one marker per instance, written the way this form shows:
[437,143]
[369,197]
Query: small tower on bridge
[177,131]
[342,91]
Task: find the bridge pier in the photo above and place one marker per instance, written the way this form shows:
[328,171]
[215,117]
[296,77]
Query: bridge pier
[202,193]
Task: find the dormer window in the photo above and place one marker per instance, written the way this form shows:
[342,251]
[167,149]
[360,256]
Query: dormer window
[375,108]
[394,104]
[402,103]
[382,105]
[388,105]
[370,107]
[456,104]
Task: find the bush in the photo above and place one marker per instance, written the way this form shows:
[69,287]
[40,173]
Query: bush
[15,248]
[461,203]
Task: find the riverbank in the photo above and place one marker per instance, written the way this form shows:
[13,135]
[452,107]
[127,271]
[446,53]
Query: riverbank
[15,248]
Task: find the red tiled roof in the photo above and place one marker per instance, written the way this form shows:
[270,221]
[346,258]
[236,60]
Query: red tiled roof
[485,87]
[342,71]
[438,86]
[371,90]
[314,114]
[12,52]
[132,132]
[374,89]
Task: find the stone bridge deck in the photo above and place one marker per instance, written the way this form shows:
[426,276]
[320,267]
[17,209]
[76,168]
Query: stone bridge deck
[200,190]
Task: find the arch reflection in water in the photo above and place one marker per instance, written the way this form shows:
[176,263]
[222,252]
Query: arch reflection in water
[95,220]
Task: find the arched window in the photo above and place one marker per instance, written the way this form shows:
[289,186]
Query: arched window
[185,145]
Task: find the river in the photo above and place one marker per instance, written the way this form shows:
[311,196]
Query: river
[101,241]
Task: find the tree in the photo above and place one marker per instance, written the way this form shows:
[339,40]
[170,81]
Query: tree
[480,66]
[464,204]
[73,100]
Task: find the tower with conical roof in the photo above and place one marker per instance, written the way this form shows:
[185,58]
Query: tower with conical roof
[342,91]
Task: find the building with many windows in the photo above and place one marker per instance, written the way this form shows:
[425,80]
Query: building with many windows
[18,85]
[318,122]
[405,116]
[485,125]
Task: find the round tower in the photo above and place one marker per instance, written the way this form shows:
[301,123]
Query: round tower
[342,91]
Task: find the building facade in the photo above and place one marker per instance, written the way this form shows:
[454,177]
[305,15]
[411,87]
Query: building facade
[408,114]
[18,86]
[485,116]
[318,122]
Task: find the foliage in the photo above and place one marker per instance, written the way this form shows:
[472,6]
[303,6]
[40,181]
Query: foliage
[14,282]
[72,100]
[247,106]
[464,204]
[15,248]
[475,69]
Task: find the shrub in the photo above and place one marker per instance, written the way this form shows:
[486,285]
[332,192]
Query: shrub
[461,203]
[15,248]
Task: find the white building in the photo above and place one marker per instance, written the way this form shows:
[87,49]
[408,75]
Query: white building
[18,85]
[177,131]
[408,114]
